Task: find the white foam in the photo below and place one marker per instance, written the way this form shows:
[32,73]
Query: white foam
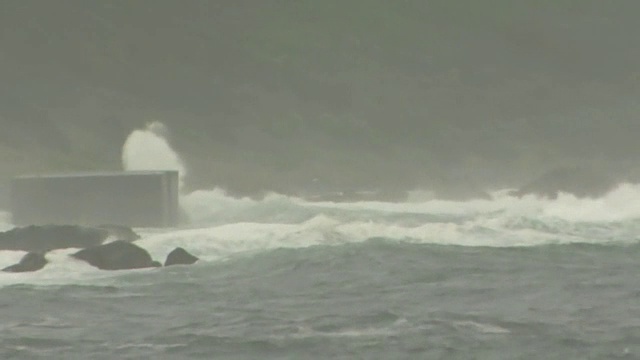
[61,269]
[225,226]
[500,221]
[149,149]
[213,207]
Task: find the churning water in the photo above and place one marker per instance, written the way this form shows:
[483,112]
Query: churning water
[285,278]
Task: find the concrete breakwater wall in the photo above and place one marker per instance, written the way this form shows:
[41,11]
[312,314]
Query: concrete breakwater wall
[136,198]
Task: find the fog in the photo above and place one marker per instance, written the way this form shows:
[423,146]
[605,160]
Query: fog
[338,95]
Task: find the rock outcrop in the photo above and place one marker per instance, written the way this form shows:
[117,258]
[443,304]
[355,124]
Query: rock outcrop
[117,255]
[120,254]
[180,256]
[49,237]
[577,181]
[30,262]
[119,232]
[461,194]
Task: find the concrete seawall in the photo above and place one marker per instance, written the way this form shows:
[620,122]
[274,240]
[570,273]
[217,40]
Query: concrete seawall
[139,199]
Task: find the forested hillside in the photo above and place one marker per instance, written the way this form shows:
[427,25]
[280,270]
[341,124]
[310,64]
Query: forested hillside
[271,94]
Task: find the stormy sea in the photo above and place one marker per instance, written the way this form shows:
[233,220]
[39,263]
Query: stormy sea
[288,278]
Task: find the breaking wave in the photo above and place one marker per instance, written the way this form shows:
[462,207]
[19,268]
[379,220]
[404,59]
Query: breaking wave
[222,226]
[149,149]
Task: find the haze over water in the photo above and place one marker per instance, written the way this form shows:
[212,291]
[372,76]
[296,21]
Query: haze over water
[346,171]
[283,277]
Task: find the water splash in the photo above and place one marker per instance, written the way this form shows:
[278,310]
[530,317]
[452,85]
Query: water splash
[225,226]
[149,149]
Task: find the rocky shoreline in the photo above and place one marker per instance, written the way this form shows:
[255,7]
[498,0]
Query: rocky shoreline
[106,247]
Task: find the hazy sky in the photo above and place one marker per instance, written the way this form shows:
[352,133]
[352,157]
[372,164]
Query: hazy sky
[356,93]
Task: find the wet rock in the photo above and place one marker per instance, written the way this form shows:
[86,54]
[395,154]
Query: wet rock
[49,237]
[117,255]
[29,262]
[119,232]
[580,182]
[180,256]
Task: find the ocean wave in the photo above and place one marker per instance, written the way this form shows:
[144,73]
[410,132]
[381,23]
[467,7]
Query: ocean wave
[224,226]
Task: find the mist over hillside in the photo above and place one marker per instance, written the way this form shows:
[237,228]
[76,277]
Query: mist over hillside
[356,94]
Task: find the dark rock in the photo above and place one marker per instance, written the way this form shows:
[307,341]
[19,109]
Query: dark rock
[49,237]
[577,181]
[180,256]
[119,232]
[117,255]
[456,186]
[29,262]
[461,194]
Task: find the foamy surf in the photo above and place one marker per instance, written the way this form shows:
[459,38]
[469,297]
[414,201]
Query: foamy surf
[62,269]
[221,226]
[225,226]
[149,149]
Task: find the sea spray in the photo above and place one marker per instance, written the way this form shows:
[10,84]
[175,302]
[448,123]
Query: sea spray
[225,226]
[149,149]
